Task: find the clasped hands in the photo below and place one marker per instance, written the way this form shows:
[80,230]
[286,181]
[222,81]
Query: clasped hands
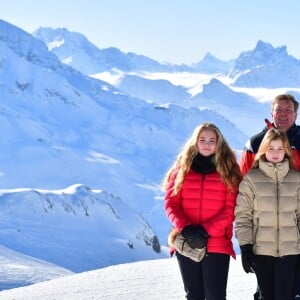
[195,235]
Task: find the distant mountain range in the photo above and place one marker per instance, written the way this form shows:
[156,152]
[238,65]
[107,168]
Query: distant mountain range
[264,66]
[73,115]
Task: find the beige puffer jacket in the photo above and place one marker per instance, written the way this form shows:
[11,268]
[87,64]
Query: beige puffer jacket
[267,213]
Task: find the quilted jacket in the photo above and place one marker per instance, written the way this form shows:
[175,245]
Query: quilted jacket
[268,210]
[204,200]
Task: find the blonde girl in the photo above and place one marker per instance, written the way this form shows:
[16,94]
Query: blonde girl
[201,189]
[268,217]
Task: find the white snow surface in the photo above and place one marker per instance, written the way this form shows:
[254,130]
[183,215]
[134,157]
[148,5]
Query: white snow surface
[152,279]
[18,269]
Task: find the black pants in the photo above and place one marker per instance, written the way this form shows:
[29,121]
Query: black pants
[206,279]
[297,283]
[275,276]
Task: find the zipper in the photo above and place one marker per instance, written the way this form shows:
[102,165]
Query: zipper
[277,205]
[201,196]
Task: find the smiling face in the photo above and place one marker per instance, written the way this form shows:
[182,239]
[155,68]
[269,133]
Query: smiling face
[207,142]
[284,115]
[275,152]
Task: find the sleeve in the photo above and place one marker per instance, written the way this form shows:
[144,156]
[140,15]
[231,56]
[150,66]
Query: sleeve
[296,155]
[298,209]
[173,207]
[217,225]
[246,160]
[244,212]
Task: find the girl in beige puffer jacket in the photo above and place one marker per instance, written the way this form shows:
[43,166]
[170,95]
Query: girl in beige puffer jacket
[267,217]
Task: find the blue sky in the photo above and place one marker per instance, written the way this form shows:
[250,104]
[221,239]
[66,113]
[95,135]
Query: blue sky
[167,30]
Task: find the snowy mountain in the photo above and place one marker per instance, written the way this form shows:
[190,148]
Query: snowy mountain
[212,65]
[261,68]
[235,106]
[60,128]
[159,91]
[82,158]
[266,66]
[75,50]
[88,229]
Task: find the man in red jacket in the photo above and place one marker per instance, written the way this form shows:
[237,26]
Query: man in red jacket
[284,114]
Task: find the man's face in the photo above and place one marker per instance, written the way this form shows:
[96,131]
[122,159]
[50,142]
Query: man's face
[284,115]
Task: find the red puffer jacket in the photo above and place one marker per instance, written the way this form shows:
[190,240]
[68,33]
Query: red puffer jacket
[204,200]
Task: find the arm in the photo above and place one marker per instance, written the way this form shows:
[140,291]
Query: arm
[251,148]
[244,212]
[298,209]
[296,155]
[246,160]
[173,206]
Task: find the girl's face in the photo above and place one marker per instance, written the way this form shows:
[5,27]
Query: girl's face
[207,142]
[275,152]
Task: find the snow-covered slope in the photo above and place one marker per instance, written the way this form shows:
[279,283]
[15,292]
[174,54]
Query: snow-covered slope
[151,280]
[75,228]
[238,107]
[159,91]
[18,269]
[61,128]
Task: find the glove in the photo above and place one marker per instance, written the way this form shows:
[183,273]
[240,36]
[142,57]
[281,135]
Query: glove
[195,235]
[248,258]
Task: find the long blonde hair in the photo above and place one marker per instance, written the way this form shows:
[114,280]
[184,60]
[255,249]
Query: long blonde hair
[225,160]
[272,135]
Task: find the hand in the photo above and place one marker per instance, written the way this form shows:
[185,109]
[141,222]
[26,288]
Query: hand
[195,235]
[248,258]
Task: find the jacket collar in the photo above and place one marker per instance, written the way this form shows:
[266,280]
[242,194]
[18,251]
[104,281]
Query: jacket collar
[275,171]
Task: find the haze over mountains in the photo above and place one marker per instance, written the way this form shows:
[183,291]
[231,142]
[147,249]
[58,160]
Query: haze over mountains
[88,134]
[233,88]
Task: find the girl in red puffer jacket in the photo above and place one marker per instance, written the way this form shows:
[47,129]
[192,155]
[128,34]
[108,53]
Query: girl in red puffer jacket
[201,189]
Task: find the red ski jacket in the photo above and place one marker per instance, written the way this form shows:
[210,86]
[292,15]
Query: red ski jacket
[204,200]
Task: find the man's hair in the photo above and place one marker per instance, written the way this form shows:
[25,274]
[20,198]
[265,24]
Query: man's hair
[286,97]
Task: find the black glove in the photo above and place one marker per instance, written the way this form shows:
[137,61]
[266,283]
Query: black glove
[248,258]
[195,235]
